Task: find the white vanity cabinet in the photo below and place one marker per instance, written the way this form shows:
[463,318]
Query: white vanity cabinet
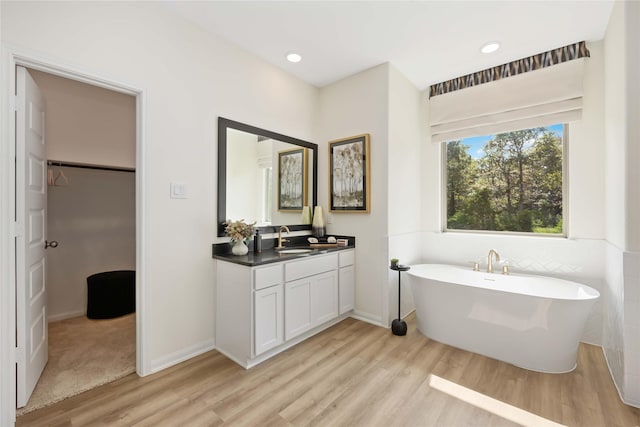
[262,310]
[346,278]
[249,309]
[311,293]
[268,314]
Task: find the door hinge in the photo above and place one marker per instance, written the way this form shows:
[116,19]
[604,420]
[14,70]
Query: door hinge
[18,229]
[19,354]
[18,103]
[14,103]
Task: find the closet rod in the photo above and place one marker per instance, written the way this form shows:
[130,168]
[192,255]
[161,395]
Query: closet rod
[85,166]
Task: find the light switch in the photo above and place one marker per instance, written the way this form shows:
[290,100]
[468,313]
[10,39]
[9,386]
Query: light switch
[178,191]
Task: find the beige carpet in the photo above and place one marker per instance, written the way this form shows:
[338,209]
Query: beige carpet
[83,354]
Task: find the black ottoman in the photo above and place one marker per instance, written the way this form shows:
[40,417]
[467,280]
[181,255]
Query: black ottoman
[111,294]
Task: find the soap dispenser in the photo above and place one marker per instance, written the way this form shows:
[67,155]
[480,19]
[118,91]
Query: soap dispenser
[257,242]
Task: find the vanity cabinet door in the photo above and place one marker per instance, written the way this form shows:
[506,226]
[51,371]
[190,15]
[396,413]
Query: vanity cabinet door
[324,297]
[347,289]
[268,318]
[297,303]
[310,302]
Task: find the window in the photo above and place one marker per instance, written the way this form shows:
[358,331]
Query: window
[266,177]
[508,182]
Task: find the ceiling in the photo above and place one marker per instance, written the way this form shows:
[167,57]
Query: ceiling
[427,41]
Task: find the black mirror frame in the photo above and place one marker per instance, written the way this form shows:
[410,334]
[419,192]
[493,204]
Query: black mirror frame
[223,125]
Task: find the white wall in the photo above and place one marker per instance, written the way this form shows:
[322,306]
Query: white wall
[632,54]
[88,124]
[352,106]
[615,128]
[631,331]
[615,135]
[586,154]
[404,161]
[93,220]
[430,174]
[6,334]
[622,131]
[613,314]
[404,199]
[189,78]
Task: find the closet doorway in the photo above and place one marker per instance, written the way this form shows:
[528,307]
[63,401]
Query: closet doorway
[90,228]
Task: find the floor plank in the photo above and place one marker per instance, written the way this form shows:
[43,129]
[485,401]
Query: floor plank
[353,374]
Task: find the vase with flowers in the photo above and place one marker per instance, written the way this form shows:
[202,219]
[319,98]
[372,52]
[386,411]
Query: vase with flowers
[239,231]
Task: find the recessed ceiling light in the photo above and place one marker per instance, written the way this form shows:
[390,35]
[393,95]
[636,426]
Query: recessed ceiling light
[294,57]
[490,47]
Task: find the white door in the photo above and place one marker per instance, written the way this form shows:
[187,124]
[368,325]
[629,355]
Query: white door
[324,298]
[346,284]
[31,218]
[268,318]
[297,307]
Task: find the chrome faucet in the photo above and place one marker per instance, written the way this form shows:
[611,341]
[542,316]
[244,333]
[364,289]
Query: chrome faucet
[280,239]
[492,252]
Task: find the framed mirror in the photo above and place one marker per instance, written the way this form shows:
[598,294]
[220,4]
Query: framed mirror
[264,177]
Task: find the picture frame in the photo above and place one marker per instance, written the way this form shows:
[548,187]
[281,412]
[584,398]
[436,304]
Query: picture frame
[349,174]
[292,179]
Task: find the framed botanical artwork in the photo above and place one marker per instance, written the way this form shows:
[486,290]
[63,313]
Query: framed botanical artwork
[292,179]
[349,176]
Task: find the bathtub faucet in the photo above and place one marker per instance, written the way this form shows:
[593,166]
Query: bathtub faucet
[492,252]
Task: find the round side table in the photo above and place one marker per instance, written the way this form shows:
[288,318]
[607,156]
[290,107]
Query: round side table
[399,326]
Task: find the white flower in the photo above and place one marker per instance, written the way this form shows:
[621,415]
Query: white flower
[238,230]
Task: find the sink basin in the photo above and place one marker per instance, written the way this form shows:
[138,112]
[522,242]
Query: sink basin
[294,251]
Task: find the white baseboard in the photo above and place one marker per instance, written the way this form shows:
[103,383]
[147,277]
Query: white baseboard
[294,341]
[632,402]
[63,316]
[172,359]
[248,363]
[169,360]
[408,313]
[228,355]
[367,317]
[629,402]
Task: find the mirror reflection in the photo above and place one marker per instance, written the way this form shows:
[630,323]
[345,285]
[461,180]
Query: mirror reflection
[263,177]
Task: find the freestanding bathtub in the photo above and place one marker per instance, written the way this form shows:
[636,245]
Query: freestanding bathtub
[534,322]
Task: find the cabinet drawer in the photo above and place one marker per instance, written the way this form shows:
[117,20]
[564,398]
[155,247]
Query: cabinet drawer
[309,267]
[346,258]
[267,276]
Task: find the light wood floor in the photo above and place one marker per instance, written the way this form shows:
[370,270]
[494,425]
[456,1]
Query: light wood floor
[352,374]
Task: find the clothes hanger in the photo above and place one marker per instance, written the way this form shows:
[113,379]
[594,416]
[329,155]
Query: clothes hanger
[50,178]
[60,176]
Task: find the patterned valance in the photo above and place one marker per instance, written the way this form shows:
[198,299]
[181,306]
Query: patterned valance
[531,63]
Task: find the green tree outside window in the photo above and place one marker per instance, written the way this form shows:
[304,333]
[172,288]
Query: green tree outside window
[513,182]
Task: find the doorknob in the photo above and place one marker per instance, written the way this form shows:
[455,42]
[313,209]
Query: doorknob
[50,244]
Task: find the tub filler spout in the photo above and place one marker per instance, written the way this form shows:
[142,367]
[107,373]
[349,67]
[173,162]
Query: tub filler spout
[492,252]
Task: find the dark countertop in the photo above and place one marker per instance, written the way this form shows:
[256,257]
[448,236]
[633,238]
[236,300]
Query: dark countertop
[271,255]
[222,251]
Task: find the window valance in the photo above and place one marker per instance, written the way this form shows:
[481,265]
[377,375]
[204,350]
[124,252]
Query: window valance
[512,101]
